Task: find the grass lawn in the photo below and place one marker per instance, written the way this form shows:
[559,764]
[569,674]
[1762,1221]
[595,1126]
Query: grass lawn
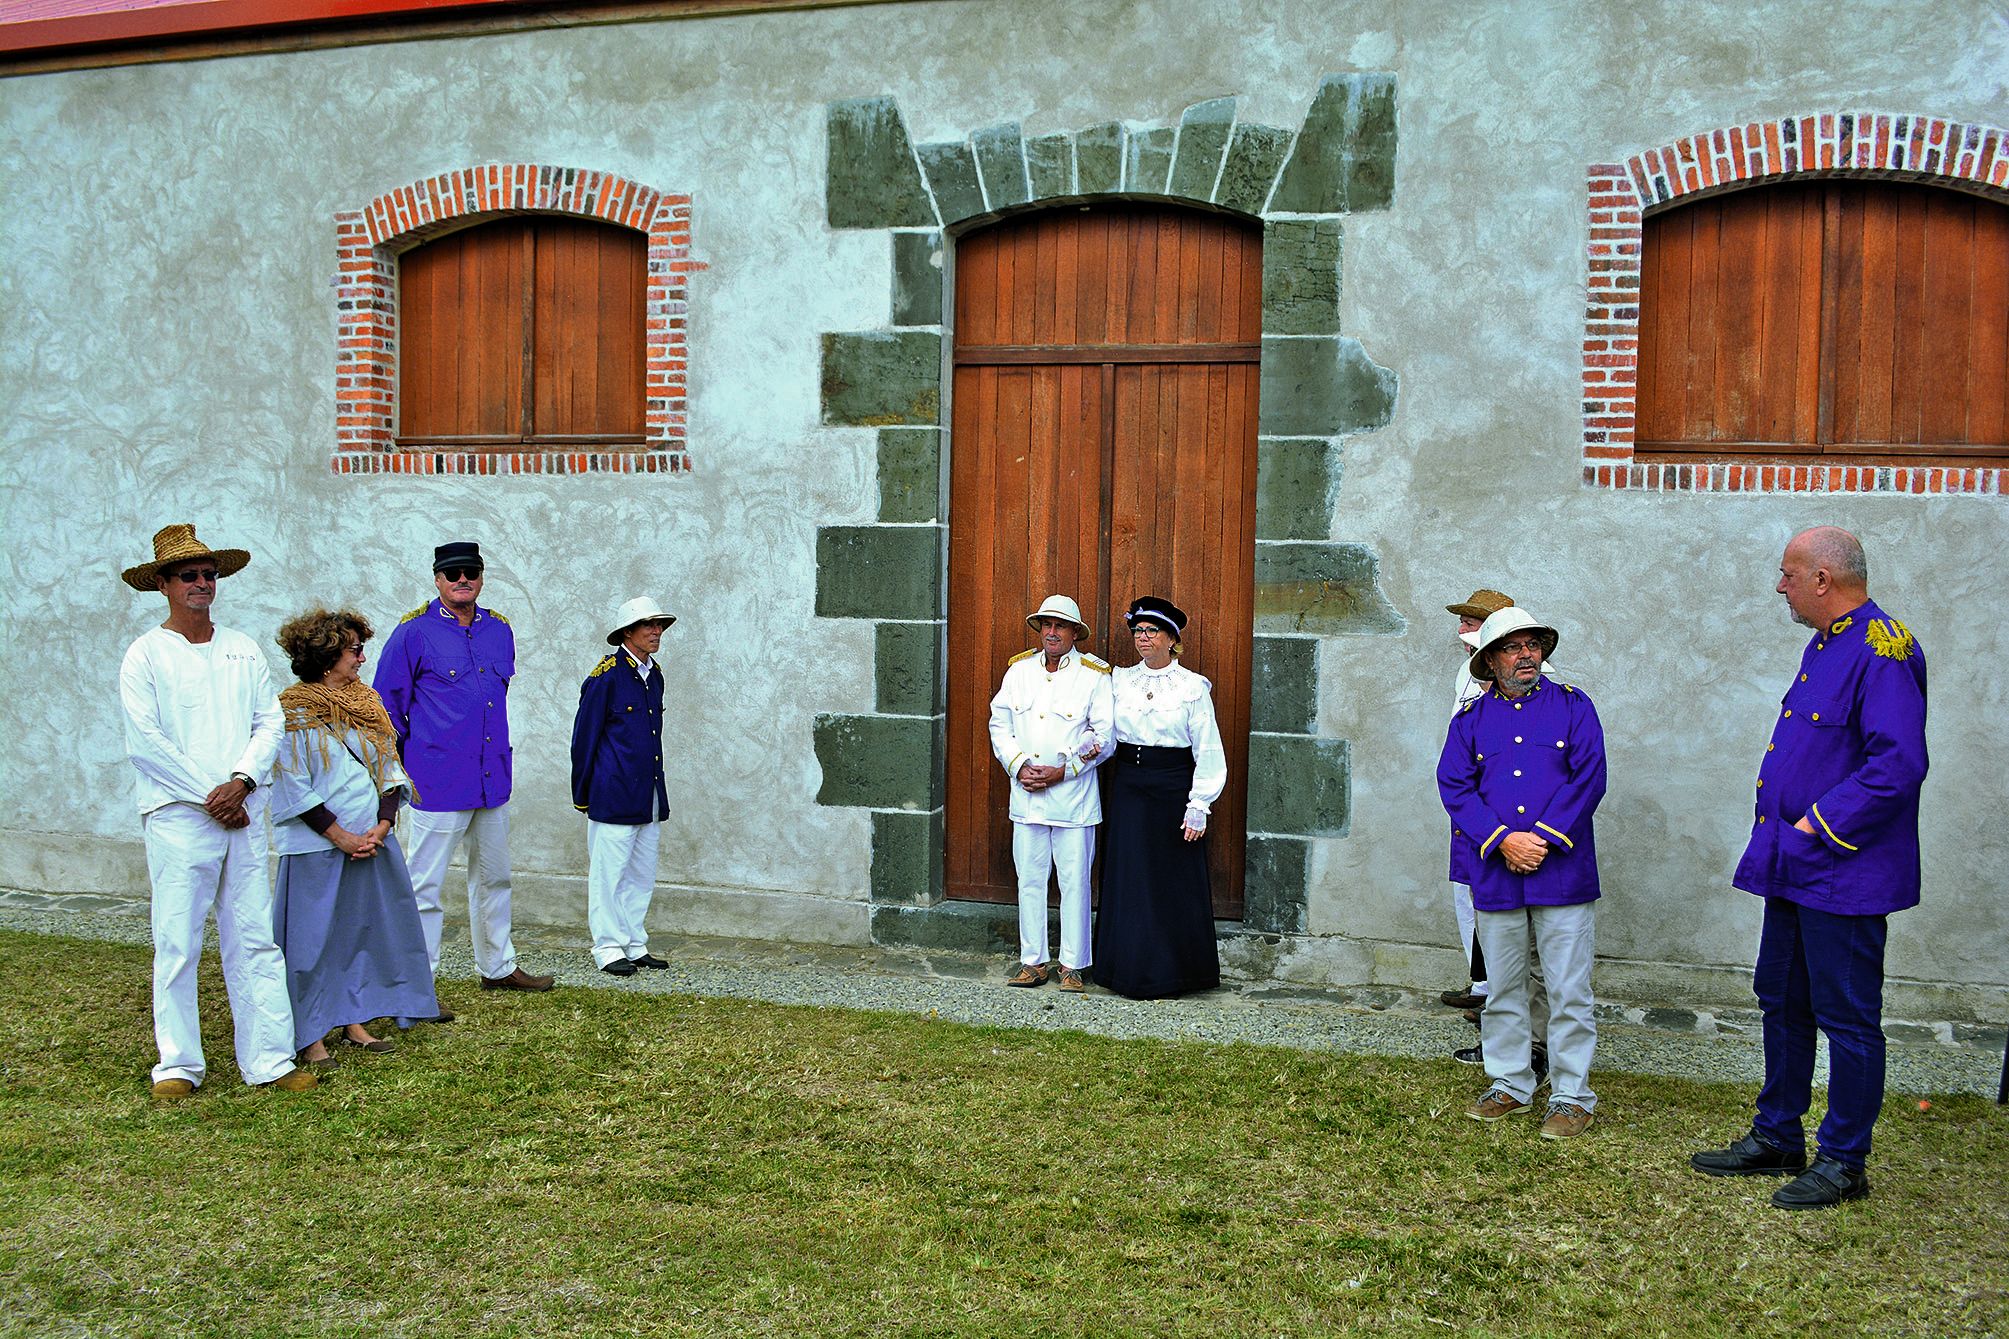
[589,1162]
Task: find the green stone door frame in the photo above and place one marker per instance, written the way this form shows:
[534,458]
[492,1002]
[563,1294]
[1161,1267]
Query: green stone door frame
[1318,387]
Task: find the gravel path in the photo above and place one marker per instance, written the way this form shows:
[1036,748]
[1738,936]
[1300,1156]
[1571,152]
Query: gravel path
[966,989]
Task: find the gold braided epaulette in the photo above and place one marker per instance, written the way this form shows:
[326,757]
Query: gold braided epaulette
[497,617]
[1029,651]
[1096,663]
[414,613]
[1891,639]
[606,663]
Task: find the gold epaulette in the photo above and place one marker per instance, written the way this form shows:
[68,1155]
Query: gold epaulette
[414,614]
[1096,663]
[498,617]
[1029,651]
[1569,687]
[606,663]
[1891,639]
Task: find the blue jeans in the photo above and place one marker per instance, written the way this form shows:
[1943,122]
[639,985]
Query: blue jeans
[1818,970]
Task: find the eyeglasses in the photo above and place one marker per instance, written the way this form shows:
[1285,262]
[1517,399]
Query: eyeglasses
[461,573]
[1146,630]
[353,648]
[191,575]
[1515,648]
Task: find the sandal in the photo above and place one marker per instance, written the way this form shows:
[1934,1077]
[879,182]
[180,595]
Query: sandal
[1028,974]
[1072,981]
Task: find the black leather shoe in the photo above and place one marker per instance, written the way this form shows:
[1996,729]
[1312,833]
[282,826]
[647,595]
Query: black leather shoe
[649,960]
[1471,1055]
[619,967]
[1749,1156]
[1462,999]
[1823,1185]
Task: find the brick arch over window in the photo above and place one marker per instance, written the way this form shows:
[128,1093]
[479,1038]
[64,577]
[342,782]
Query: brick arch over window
[1930,150]
[368,242]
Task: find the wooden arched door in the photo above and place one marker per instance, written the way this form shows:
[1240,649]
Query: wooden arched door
[1103,446]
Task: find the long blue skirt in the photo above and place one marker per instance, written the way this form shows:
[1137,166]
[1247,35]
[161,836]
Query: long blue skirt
[1154,921]
[350,933]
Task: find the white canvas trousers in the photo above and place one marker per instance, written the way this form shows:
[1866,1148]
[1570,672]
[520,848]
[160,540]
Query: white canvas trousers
[434,838]
[1038,850]
[620,880]
[1461,906]
[195,863]
[1566,939]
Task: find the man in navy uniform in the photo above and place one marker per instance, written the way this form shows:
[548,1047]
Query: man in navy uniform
[617,782]
[444,677]
[1521,776]
[1833,851]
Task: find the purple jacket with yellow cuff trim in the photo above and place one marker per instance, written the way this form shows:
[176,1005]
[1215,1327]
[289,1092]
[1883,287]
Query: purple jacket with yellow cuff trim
[1848,753]
[1530,764]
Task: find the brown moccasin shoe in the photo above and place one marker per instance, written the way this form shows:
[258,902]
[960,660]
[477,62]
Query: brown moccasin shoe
[1072,981]
[294,1081]
[516,980]
[1566,1120]
[1496,1104]
[173,1090]
[1028,974]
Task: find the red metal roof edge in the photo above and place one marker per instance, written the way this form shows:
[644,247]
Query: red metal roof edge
[201,19]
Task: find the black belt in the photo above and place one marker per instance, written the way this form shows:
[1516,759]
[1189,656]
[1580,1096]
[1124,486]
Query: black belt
[1153,755]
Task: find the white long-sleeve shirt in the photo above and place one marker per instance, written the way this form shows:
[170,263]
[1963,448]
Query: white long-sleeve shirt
[1048,719]
[322,767]
[1173,708]
[195,714]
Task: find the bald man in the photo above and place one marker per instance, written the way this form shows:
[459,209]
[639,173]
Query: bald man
[1833,851]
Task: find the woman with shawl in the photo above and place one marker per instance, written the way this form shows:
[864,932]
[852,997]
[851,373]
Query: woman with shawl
[345,915]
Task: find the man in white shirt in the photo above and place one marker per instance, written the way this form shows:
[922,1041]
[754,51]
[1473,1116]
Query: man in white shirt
[1051,724]
[203,726]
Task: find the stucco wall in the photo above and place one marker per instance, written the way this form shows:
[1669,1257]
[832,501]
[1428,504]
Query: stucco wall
[166,251]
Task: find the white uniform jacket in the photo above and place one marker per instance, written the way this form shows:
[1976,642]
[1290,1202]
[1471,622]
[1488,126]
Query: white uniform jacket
[1048,719]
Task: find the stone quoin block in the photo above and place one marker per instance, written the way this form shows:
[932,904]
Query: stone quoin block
[907,858]
[1098,157]
[1297,485]
[1000,154]
[1298,785]
[952,175]
[1149,160]
[917,278]
[880,379]
[1049,161]
[1254,155]
[907,669]
[1301,265]
[1321,589]
[1276,875]
[1283,685]
[879,762]
[871,180]
[955,927]
[910,474]
[879,571]
[1344,159]
[1203,138]
[1322,388]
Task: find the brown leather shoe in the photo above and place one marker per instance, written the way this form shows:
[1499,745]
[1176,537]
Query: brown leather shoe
[173,1090]
[516,980]
[294,1081]
[1567,1120]
[1072,982]
[1496,1104]
[1030,975]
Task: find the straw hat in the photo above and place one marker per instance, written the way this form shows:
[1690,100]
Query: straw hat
[177,544]
[1482,605]
[1501,625]
[641,609]
[1060,607]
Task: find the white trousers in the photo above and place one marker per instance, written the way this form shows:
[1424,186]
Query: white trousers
[620,880]
[1461,905]
[195,863]
[434,838]
[1566,939]
[1039,850]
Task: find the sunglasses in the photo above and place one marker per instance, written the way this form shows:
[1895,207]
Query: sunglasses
[191,575]
[461,573]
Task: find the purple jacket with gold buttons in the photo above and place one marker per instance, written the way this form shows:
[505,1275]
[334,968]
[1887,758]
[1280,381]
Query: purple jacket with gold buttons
[1848,754]
[1529,764]
[447,690]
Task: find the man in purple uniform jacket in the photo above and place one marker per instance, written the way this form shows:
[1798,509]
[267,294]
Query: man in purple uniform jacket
[1833,851]
[1521,774]
[444,677]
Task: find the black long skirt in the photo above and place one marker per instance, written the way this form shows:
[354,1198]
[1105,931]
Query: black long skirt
[1154,923]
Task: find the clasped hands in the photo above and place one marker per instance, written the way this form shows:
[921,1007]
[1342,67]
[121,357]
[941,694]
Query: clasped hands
[1523,852]
[225,804]
[360,846]
[1036,776]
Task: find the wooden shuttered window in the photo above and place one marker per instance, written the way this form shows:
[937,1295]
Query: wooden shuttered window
[1867,320]
[523,331]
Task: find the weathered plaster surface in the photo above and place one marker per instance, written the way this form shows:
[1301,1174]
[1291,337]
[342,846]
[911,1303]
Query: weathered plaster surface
[165,253]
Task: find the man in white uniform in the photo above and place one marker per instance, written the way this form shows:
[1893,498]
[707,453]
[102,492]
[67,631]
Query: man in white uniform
[203,726]
[1051,724]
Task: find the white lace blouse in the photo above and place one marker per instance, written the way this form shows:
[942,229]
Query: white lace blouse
[1173,708]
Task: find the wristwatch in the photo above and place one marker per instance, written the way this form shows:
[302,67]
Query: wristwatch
[249,784]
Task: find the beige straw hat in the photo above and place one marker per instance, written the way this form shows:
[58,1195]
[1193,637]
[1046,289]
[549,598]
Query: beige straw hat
[1482,605]
[177,544]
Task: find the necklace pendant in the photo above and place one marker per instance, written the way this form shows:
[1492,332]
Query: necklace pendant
[1150,695]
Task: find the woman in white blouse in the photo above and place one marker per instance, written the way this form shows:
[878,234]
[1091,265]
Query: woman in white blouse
[1154,927]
